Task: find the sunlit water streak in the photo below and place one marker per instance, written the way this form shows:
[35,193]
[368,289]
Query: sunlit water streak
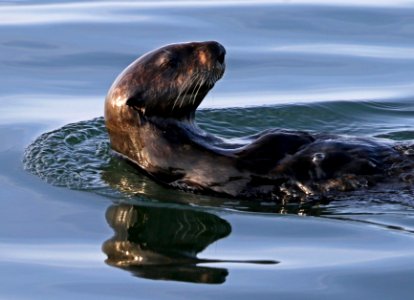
[54,255]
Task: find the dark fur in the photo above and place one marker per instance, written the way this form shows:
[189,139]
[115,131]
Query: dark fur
[149,114]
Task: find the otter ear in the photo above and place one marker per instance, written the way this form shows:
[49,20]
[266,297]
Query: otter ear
[135,101]
[131,102]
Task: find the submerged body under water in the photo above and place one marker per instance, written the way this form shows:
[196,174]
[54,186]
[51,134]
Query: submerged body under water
[89,225]
[78,156]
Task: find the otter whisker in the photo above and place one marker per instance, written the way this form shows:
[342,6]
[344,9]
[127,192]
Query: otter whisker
[186,85]
[194,87]
[200,84]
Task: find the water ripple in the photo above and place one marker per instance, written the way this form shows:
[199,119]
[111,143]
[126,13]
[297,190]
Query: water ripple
[78,155]
[371,51]
[109,11]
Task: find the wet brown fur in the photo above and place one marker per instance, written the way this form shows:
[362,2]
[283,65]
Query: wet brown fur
[149,113]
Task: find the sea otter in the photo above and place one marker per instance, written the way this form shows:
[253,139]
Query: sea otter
[150,117]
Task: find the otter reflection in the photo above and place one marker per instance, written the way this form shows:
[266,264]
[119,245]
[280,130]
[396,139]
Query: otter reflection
[162,243]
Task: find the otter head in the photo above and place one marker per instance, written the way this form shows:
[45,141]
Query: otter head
[169,82]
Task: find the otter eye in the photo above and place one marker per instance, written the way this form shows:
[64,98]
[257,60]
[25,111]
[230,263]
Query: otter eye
[168,60]
[172,62]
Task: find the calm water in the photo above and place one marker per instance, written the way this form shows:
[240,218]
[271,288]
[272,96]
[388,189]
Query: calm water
[77,222]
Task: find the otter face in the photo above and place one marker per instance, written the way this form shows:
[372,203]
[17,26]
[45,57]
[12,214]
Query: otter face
[170,81]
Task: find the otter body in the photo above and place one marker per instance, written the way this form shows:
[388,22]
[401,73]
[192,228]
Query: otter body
[150,110]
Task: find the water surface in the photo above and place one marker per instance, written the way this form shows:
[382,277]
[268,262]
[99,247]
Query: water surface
[79,223]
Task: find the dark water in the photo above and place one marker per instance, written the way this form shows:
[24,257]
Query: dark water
[77,222]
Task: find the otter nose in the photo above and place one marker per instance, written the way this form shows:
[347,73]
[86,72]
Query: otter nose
[220,57]
[217,50]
